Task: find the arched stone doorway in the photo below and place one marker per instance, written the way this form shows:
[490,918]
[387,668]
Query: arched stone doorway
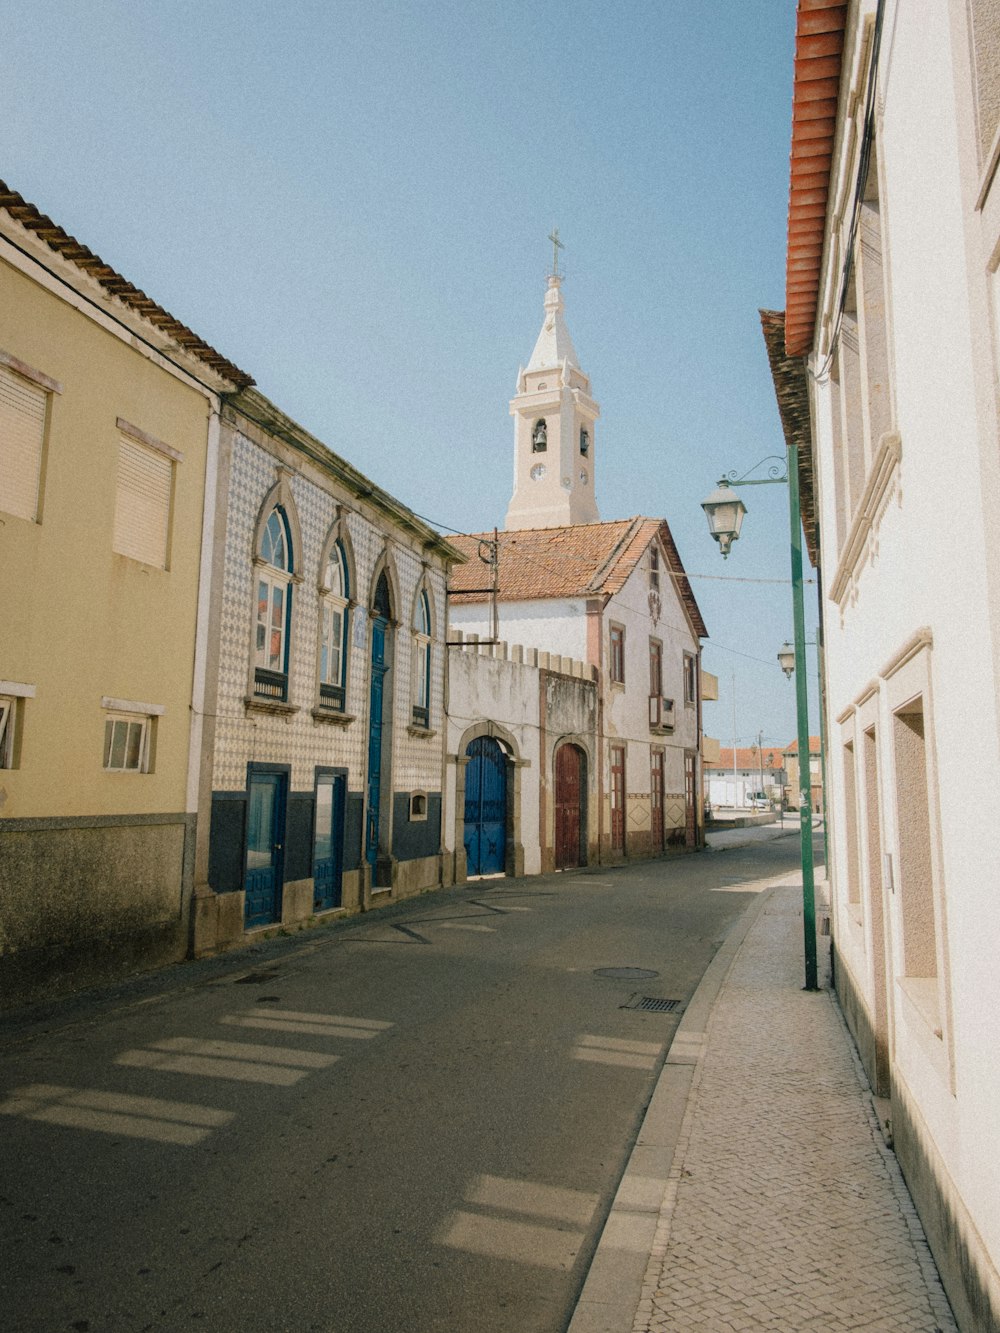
[485,831]
[570,807]
[502,750]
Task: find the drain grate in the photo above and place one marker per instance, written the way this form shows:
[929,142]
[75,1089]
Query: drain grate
[256,978]
[653,1004]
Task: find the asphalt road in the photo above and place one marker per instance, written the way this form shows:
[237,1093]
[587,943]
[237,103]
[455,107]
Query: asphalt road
[415,1120]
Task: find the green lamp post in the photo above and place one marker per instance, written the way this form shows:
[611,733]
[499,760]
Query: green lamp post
[725,510]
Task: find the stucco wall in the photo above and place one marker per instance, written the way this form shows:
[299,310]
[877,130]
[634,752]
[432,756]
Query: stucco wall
[95,866]
[912,629]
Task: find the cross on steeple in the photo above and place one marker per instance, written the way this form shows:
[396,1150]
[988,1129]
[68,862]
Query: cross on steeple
[557,245]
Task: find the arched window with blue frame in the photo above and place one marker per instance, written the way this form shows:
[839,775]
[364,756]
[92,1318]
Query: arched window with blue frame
[422,660]
[274,568]
[334,615]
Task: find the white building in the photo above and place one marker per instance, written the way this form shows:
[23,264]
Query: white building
[613,595]
[893,287]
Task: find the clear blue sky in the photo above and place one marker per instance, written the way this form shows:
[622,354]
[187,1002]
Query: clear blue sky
[350,199]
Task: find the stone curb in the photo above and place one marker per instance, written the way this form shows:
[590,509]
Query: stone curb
[614,1284]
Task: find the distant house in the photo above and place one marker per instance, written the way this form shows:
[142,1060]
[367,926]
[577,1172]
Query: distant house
[791,762]
[755,771]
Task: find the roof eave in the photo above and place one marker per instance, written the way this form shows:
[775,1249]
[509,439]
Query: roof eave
[819,44]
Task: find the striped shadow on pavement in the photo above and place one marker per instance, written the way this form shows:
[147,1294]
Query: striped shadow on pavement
[182,1123]
[315,1025]
[243,1062]
[618,1051]
[520,1220]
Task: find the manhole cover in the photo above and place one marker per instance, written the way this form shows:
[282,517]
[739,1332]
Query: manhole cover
[625,973]
[653,1004]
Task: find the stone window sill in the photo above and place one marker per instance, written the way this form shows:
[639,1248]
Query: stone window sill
[332,718]
[272,706]
[414,730]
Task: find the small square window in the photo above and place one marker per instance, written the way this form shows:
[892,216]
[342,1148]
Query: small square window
[127,743]
[418,807]
[8,714]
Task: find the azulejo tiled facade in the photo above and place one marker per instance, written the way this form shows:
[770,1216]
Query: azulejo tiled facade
[321,785]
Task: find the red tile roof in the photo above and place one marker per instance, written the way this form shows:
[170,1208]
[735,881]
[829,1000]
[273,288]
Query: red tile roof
[583,560]
[819,44]
[115,285]
[793,746]
[774,758]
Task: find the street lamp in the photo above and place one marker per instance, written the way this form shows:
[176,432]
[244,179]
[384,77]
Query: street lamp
[724,510]
[786,659]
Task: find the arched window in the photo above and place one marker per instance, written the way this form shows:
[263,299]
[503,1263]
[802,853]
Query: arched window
[422,660]
[274,594]
[584,441]
[539,437]
[333,630]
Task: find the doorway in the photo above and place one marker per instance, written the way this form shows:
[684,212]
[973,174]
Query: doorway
[485,807]
[328,840]
[571,788]
[265,847]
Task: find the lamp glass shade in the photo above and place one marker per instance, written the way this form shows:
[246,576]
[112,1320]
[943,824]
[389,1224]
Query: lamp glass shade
[724,510]
[786,658]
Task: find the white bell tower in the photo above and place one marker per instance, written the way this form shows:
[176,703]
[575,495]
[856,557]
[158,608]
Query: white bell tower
[554,416]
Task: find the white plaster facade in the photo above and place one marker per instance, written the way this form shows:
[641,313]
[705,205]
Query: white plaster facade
[646,607]
[904,410]
[531,703]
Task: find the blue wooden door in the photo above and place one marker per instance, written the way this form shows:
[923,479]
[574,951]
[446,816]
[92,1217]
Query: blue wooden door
[485,807]
[375,738]
[265,839]
[328,841]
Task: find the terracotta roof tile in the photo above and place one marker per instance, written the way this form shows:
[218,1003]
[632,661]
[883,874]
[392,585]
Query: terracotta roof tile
[793,746]
[819,42]
[115,285]
[774,758]
[582,560]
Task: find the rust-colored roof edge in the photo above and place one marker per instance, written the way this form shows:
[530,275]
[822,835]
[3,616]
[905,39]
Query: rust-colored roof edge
[819,42]
[70,249]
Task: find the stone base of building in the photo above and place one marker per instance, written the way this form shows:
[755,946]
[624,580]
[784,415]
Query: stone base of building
[85,901]
[970,1280]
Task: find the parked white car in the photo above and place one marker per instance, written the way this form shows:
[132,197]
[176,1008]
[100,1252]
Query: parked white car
[757,800]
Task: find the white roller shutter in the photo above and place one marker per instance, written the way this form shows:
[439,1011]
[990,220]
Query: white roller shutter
[142,503]
[22,433]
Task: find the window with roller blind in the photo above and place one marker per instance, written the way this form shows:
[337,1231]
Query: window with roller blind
[143,496]
[24,402]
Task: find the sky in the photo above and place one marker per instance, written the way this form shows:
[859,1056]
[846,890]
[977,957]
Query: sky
[351,200]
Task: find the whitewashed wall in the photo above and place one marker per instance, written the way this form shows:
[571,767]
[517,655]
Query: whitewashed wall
[914,612]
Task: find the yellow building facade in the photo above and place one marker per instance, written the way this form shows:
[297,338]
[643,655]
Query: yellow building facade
[108,424]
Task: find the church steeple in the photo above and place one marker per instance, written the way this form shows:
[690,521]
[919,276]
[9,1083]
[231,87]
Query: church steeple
[554,416]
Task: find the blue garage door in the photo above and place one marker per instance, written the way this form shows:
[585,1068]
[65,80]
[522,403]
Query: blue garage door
[485,807]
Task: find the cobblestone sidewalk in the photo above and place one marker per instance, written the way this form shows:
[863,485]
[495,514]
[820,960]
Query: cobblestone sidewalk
[784,1210]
